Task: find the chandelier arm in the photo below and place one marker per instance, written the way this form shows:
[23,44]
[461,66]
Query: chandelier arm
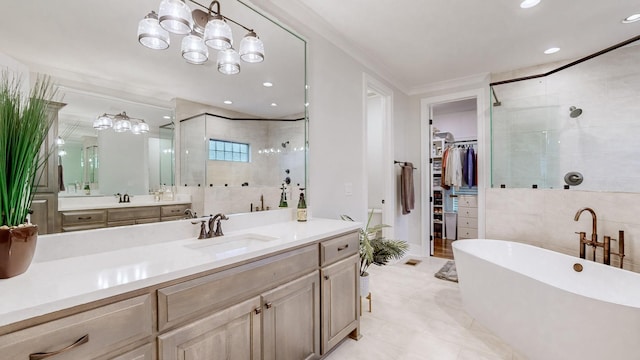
[209,8]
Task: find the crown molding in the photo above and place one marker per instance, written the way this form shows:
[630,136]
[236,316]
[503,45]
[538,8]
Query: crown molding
[477,80]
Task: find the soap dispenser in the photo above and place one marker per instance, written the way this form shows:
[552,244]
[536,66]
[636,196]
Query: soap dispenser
[283,198]
[301,212]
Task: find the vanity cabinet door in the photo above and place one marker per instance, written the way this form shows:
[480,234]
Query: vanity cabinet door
[291,320]
[340,301]
[229,334]
[142,353]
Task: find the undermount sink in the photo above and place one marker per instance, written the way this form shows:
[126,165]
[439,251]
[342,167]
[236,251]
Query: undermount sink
[231,245]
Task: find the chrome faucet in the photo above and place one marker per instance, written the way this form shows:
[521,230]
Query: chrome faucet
[203,229]
[217,218]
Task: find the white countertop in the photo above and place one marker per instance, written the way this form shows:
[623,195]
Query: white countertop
[56,282]
[111,202]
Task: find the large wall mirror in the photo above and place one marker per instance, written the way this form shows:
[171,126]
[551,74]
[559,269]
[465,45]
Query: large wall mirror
[91,49]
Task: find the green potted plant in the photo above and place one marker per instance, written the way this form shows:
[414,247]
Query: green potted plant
[24,125]
[376,249]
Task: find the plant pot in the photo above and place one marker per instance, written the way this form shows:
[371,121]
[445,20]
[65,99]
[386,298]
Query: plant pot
[364,284]
[17,247]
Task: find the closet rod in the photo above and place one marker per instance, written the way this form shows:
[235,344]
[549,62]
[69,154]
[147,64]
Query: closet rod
[462,141]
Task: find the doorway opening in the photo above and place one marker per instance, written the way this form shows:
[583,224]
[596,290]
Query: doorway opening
[452,149]
[379,155]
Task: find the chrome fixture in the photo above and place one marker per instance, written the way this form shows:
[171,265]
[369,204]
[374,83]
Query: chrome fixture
[606,244]
[574,112]
[120,123]
[190,214]
[202,29]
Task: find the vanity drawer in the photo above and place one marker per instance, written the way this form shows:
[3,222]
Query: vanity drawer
[173,210]
[134,213]
[339,248]
[86,335]
[190,299]
[70,218]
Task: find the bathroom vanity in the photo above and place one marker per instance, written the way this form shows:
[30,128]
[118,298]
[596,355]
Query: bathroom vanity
[98,212]
[283,290]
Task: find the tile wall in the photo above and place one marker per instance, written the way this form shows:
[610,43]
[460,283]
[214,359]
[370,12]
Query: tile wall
[545,218]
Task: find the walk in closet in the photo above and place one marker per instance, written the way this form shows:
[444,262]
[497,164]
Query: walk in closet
[453,161]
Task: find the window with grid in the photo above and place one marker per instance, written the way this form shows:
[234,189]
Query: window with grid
[228,151]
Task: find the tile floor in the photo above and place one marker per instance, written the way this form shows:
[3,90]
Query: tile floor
[419,317]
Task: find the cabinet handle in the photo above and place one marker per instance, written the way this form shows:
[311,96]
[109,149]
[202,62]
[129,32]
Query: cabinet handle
[44,355]
[175,211]
[258,311]
[84,217]
[343,247]
[268,305]
[326,277]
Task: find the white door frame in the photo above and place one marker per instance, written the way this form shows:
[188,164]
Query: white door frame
[388,208]
[426,105]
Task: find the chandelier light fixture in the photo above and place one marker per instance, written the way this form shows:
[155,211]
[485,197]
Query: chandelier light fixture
[121,123]
[202,30]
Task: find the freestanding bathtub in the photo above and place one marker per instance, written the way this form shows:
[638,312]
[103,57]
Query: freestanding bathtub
[534,300]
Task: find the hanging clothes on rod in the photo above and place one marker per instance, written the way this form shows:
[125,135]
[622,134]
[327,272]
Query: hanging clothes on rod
[459,166]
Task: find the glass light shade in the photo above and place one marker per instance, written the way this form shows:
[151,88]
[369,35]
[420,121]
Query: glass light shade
[228,62]
[251,48]
[151,34]
[175,16]
[135,129]
[102,122]
[144,127]
[122,125]
[194,50]
[217,34]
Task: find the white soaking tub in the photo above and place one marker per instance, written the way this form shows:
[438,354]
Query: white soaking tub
[535,300]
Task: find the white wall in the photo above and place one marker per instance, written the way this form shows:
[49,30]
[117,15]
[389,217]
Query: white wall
[461,124]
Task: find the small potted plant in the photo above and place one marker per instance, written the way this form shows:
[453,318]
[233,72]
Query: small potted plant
[24,125]
[376,249]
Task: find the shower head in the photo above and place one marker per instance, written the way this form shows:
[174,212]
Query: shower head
[574,112]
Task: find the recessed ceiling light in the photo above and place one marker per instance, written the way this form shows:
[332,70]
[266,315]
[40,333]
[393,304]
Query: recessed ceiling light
[552,50]
[166,117]
[631,18]
[267,84]
[228,102]
[529,3]
[274,104]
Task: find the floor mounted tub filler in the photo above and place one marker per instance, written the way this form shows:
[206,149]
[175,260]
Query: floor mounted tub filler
[548,305]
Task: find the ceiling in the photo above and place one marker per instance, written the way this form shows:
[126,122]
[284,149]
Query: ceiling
[413,43]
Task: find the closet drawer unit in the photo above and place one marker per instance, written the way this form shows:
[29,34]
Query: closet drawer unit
[187,300]
[467,233]
[86,335]
[466,222]
[173,211]
[133,213]
[467,212]
[338,248]
[468,201]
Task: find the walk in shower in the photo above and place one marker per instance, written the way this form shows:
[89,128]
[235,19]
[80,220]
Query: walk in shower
[579,126]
